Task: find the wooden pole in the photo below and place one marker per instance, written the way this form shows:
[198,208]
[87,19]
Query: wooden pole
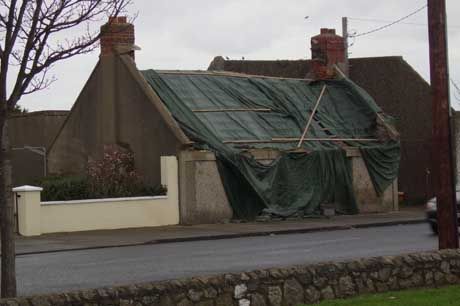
[442,145]
[311,116]
[223,110]
[345,42]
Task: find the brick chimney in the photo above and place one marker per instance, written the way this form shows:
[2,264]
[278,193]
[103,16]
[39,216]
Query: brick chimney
[117,36]
[327,50]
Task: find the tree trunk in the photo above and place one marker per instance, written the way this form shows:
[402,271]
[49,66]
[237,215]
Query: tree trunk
[8,266]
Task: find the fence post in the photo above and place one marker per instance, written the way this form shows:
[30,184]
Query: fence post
[28,210]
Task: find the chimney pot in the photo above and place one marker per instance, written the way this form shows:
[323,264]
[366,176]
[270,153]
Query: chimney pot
[118,19]
[326,31]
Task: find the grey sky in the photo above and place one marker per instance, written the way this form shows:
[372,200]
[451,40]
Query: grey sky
[180,34]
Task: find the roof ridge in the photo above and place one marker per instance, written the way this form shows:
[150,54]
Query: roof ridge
[399,57]
[223,73]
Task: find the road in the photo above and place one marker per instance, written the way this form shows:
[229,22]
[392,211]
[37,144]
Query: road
[63,271]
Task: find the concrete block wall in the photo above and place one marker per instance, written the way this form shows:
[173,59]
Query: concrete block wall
[202,195]
[275,287]
[366,197]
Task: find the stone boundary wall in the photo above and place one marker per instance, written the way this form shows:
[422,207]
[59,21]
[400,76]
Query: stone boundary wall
[275,287]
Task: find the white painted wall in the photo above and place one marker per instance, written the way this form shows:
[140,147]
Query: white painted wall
[37,217]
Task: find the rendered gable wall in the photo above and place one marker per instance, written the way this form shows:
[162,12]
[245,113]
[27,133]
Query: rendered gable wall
[112,109]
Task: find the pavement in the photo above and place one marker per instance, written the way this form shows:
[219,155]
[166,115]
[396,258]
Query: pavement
[60,242]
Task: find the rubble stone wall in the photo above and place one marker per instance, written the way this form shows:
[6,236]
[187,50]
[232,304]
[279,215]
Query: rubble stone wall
[276,287]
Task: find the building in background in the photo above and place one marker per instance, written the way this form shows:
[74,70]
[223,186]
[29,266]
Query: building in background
[31,135]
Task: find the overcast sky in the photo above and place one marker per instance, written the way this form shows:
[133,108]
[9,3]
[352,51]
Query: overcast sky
[180,34]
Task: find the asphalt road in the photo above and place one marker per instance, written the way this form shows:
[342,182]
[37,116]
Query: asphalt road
[64,271]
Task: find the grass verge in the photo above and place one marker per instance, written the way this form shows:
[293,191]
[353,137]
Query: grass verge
[446,296]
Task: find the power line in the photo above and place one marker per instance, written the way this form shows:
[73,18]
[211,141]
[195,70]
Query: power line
[390,24]
[384,21]
[387,21]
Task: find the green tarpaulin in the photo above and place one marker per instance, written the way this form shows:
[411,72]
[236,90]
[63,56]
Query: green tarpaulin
[209,108]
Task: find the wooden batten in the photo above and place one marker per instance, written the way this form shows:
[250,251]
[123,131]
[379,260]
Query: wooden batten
[223,110]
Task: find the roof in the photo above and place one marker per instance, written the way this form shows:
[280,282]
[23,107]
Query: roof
[395,86]
[230,114]
[276,68]
[390,80]
[264,112]
[295,68]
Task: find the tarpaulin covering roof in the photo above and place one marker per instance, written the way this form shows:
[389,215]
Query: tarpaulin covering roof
[229,114]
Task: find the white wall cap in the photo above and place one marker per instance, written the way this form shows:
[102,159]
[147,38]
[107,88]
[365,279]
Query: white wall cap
[27,188]
[109,200]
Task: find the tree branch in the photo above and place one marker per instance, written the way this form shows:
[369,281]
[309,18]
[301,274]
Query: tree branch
[38,23]
[16,93]
[12,28]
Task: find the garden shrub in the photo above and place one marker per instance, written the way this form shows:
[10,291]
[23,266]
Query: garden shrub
[61,188]
[113,176]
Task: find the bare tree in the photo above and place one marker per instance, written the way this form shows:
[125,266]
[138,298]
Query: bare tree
[35,35]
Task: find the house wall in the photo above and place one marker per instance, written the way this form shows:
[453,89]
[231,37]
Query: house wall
[366,197]
[139,124]
[112,109]
[403,94]
[202,194]
[203,199]
[35,129]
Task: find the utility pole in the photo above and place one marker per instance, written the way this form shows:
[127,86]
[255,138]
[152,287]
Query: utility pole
[442,145]
[345,42]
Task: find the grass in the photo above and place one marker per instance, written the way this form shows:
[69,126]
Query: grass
[446,296]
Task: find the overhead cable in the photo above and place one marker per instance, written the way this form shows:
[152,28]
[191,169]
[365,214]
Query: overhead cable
[390,24]
[406,23]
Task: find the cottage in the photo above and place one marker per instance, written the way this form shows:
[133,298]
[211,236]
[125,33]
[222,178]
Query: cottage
[246,145]
[396,87]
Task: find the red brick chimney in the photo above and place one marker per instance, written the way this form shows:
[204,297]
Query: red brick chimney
[117,36]
[327,50]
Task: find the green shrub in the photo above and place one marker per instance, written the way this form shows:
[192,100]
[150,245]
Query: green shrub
[114,176]
[68,188]
[61,188]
